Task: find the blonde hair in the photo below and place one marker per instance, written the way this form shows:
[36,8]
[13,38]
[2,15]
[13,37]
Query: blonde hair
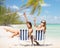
[44,22]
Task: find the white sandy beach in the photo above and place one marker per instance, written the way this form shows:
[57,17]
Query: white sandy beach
[7,42]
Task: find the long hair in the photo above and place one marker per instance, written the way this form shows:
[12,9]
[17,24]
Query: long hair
[30,24]
[44,22]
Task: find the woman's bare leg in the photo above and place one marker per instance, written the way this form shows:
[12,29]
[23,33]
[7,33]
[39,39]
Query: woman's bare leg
[36,42]
[10,30]
[15,32]
[32,39]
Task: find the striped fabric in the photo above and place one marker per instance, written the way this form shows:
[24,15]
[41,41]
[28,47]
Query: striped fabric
[24,35]
[39,35]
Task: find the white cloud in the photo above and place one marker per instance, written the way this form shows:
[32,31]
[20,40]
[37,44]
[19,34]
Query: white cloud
[55,17]
[49,19]
[45,5]
[14,7]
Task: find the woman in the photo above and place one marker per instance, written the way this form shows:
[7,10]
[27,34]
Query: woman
[30,30]
[42,26]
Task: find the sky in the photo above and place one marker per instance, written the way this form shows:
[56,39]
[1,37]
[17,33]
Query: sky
[50,10]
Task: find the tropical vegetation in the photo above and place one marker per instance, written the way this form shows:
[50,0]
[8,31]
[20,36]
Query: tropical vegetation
[35,5]
[7,17]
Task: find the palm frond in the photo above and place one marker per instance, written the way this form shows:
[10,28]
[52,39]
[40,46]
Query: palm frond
[35,5]
[41,1]
[39,10]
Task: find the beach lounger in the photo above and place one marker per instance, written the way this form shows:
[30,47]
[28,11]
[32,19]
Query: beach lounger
[23,34]
[39,35]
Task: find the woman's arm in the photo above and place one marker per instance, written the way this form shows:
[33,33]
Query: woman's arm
[25,17]
[35,22]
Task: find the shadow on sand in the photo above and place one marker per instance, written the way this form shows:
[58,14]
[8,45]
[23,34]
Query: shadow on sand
[36,45]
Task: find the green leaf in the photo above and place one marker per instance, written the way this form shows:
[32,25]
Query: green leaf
[35,5]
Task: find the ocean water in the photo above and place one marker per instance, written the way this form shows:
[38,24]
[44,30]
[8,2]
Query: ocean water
[53,30]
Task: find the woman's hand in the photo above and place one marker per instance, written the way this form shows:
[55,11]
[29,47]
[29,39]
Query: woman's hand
[35,19]
[24,14]
[35,22]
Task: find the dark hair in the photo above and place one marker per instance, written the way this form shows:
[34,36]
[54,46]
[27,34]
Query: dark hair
[30,24]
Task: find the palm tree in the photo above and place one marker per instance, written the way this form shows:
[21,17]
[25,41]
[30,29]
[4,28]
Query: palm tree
[35,5]
[8,17]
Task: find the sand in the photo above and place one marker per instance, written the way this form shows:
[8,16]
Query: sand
[7,42]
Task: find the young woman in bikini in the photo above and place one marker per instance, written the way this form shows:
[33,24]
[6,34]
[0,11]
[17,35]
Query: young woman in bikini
[41,26]
[30,30]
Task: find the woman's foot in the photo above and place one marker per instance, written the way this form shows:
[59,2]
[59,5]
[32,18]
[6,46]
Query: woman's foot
[37,43]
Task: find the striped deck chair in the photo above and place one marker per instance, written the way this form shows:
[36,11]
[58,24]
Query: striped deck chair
[40,36]
[23,34]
